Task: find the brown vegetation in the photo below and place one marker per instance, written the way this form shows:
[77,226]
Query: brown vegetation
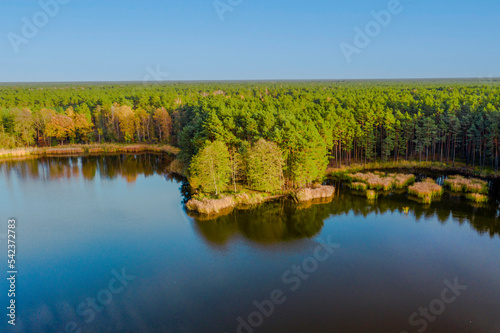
[479,198]
[426,190]
[460,184]
[358,186]
[308,194]
[379,181]
[211,206]
[91,149]
[64,151]
[402,180]
[225,204]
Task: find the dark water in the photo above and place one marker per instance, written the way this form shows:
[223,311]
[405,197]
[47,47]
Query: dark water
[346,266]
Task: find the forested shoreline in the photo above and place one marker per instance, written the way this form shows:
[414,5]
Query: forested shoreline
[266,136]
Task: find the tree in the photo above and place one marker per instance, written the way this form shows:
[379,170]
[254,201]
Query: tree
[210,169]
[83,128]
[42,118]
[429,132]
[61,127]
[265,166]
[127,121]
[24,126]
[163,123]
[454,126]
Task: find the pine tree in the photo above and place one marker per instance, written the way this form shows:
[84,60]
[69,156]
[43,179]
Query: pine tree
[265,166]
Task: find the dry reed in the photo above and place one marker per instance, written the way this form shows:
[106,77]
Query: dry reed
[426,190]
[307,194]
[403,180]
[358,186]
[479,198]
[379,181]
[211,206]
[64,151]
[460,184]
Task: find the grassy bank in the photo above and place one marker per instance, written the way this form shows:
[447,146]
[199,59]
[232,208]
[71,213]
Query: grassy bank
[79,149]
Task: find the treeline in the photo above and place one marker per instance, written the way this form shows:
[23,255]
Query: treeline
[116,123]
[307,125]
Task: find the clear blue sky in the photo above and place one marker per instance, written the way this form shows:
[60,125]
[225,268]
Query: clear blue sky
[108,40]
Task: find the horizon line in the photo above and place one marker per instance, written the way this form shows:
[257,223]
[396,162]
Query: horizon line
[247,80]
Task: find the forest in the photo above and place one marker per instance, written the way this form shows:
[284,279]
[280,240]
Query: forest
[267,136]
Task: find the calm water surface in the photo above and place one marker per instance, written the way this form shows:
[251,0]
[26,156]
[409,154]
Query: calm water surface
[104,245]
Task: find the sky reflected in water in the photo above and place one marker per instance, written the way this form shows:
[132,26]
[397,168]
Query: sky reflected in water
[82,220]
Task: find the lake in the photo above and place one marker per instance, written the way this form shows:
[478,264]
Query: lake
[104,245]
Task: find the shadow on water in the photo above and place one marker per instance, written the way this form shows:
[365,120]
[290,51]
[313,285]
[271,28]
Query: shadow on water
[277,221]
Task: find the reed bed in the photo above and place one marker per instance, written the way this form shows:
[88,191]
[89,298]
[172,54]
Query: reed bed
[373,181]
[308,194]
[17,152]
[426,190]
[380,181]
[403,180]
[90,148]
[460,184]
[211,206]
[358,186]
[371,195]
[64,151]
[476,197]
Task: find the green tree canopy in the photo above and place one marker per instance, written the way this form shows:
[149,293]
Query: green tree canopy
[265,166]
[210,169]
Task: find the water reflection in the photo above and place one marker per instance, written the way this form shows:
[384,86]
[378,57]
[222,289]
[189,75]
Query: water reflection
[277,221]
[128,167]
[284,220]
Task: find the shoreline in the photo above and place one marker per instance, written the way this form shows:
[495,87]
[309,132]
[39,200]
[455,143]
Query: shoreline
[210,208]
[459,168]
[225,205]
[79,149]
